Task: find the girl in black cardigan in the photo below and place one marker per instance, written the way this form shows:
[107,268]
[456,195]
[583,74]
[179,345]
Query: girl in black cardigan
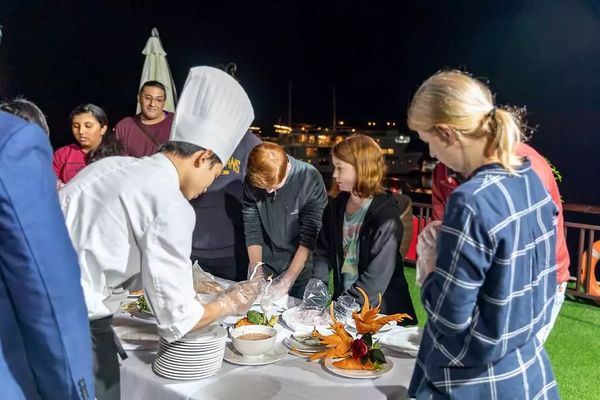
[361,232]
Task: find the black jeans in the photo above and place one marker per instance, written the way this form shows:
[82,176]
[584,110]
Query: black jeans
[298,290]
[106,361]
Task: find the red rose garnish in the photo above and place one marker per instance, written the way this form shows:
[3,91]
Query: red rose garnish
[359,349]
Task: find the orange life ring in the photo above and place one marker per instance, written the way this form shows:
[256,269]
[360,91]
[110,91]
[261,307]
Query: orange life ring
[593,284]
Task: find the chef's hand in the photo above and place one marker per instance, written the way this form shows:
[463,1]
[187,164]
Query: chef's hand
[426,250]
[238,298]
[208,287]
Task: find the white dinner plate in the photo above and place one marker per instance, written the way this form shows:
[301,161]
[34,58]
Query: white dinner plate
[277,353]
[189,353]
[193,346]
[181,367]
[184,369]
[191,359]
[293,344]
[355,374]
[174,366]
[211,333]
[192,350]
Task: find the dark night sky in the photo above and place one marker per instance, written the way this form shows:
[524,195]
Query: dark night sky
[541,53]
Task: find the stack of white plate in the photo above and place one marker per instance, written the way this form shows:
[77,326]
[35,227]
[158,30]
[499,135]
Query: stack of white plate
[196,355]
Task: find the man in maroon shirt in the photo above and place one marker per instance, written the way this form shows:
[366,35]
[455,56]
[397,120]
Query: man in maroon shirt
[141,135]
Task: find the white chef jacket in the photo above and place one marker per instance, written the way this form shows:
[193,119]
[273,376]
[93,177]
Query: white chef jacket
[127,216]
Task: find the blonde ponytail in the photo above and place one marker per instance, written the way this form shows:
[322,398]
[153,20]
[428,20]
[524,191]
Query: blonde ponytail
[505,135]
[466,105]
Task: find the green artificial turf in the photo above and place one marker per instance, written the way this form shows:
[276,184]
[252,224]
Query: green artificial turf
[573,345]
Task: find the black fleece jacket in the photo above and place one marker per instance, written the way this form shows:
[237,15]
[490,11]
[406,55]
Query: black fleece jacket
[283,220]
[380,267]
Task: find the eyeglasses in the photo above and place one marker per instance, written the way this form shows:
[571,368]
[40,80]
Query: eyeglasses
[149,99]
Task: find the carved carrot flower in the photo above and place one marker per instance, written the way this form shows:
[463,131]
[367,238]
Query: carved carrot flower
[368,319]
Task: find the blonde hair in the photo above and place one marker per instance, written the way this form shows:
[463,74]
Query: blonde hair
[466,105]
[365,155]
[267,165]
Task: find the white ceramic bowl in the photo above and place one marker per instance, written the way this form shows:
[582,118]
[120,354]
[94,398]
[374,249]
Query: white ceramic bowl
[253,348]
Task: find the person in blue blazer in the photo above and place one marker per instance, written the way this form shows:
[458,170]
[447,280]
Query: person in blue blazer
[45,346]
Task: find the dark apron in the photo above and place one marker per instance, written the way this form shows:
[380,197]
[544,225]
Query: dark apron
[106,348]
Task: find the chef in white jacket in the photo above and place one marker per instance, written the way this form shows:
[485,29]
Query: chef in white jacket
[129,216]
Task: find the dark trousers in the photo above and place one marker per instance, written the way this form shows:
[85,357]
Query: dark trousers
[106,359]
[298,290]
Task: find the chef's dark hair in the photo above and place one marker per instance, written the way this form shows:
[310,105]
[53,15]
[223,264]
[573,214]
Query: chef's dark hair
[23,108]
[186,150]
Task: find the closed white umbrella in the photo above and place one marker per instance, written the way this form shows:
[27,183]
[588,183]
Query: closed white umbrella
[156,68]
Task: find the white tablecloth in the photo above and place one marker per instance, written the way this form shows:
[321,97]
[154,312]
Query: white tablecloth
[292,378]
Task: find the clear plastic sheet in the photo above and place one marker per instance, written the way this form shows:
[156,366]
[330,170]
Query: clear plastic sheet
[343,308]
[273,298]
[205,283]
[239,297]
[313,311]
[304,320]
[316,296]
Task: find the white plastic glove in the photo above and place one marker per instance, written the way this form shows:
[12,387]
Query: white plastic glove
[256,271]
[280,286]
[428,235]
[204,282]
[426,250]
[239,297]
[275,292]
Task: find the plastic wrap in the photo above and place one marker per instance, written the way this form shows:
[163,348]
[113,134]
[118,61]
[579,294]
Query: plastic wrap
[316,296]
[239,297]
[205,283]
[344,306]
[313,310]
[427,251]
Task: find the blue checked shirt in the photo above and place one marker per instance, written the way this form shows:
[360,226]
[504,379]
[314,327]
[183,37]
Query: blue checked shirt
[491,292]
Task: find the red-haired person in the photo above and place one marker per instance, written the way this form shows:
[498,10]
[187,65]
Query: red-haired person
[283,205]
[361,233]
[444,181]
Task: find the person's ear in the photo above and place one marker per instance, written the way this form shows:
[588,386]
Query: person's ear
[201,157]
[446,134]
[103,130]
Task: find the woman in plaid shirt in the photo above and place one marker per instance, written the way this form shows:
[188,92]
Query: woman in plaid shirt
[490,276]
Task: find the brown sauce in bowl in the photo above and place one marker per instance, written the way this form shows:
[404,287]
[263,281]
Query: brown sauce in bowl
[254,336]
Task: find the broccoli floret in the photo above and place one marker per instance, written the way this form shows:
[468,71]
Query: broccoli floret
[256,317]
[142,304]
